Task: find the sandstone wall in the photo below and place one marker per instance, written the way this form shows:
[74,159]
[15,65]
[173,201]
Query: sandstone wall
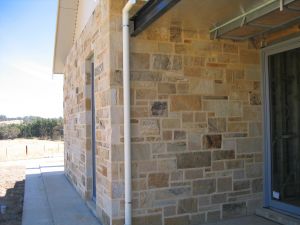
[196,122]
[93,42]
[196,126]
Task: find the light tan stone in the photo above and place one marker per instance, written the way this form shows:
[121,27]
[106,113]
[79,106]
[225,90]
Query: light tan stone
[185,103]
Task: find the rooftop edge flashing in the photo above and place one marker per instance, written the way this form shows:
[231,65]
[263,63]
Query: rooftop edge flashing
[149,13]
[56,68]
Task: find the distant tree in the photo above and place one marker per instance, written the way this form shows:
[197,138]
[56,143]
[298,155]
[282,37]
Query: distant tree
[9,131]
[34,127]
[3,118]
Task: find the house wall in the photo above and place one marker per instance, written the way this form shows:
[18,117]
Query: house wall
[196,126]
[196,122]
[92,44]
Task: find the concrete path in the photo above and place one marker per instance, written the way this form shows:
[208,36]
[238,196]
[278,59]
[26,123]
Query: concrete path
[50,199]
[247,220]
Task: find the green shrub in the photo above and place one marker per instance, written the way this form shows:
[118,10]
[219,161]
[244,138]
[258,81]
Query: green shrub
[37,127]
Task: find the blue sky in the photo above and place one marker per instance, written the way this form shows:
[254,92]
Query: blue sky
[27,33]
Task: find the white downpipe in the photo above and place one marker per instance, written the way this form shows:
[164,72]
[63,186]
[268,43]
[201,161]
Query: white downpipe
[126,95]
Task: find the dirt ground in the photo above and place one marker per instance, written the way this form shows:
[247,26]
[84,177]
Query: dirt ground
[12,193]
[13,156]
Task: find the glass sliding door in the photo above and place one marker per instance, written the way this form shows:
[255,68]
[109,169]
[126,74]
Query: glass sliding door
[283,184]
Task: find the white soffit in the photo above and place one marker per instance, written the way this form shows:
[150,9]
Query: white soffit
[65,30]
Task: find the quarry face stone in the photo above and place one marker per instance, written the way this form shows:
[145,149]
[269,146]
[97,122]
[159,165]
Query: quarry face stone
[193,160]
[196,107]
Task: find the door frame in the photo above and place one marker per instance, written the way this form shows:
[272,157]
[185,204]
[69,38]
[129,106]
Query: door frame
[266,52]
[93,110]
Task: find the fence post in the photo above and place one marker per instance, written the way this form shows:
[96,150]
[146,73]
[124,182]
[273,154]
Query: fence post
[26,150]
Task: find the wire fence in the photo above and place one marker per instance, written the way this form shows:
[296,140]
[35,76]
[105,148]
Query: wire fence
[29,148]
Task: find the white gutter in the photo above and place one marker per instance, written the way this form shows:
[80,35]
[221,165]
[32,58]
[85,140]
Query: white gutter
[126,94]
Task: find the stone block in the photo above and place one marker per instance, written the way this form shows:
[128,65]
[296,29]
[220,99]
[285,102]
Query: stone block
[216,125]
[158,180]
[182,88]
[218,165]
[254,170]
[165,47]
[197,219]
[238,127]
[162,62]
[212,141]
[253,204]
[194,140]
[241,185]
[145,76]
[229,144]
[140,61]
[253,72]
[232,210]
[206,186]
[223,154]
[117,189]
[249,145]
[201,86]
[145,94]
[147,219]
[257,185]
[159,109]
[224,184]
[178,220]
[187,117]
[213,216]
[169,211]
[166,88]
[170,123]
[177,63]
[193,160]
[141,152]
[149,127]
[167,135]
[175,34]
[204,201]
[234,164]
[117,152]
[158,148]
[230,48]
[223,108]
[255,129]
[249,57]
[146,199]
[167,165]
[193,174]
[176,147]
[185,103]
[179,135]
[218,198]
[254,98]
[200,117]
[238,174]
[188,205]
[172,193]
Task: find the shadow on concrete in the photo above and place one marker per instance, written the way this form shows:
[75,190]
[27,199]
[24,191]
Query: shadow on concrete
[51,200]
[13,200]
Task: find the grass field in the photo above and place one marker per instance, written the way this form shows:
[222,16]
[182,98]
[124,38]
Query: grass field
[29,148]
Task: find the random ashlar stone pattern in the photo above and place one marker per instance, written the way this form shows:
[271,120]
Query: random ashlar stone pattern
[92,43]
[196,122]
